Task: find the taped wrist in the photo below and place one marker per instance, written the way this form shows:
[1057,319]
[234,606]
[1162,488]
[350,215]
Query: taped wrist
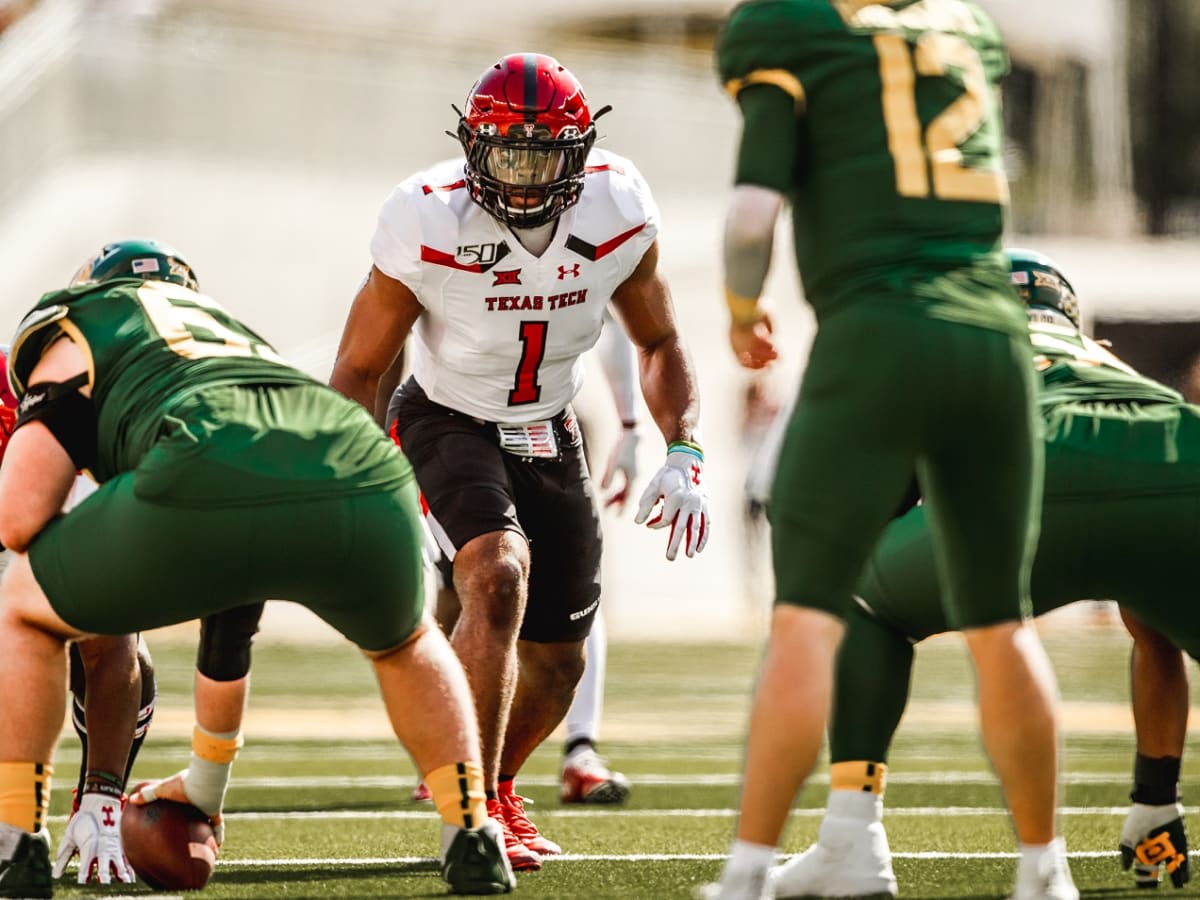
[70,416]
[208,774]
[743,310]
[1156,780]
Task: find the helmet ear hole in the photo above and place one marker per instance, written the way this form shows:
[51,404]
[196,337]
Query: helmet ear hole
[526,134]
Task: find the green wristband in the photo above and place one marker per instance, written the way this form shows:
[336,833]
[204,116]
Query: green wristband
[686,447]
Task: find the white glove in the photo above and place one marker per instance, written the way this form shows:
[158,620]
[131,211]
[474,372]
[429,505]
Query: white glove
[680,486]
[623,459]
[1153,841]
[94,832]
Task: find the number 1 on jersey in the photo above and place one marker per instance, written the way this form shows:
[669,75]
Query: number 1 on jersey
[533,348]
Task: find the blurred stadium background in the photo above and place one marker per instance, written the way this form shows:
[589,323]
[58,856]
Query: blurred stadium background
[261,136]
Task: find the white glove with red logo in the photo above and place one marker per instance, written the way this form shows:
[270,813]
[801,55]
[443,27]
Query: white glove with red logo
[94,832]
[679,484]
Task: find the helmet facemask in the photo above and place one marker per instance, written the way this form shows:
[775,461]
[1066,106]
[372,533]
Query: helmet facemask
[527,177]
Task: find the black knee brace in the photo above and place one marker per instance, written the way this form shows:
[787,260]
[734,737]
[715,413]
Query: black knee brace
[225,638]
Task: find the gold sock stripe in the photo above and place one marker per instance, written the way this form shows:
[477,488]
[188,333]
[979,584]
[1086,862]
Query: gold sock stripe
[858,775]
[221,751]
[41,795]
[458,793]
[464,790]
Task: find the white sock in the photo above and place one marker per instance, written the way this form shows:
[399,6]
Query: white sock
[747,857]
[861,805]
[10,837]
[1033,854]
[583,718]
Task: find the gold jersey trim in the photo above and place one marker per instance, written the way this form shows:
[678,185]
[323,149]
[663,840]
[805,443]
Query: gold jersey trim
[780,78]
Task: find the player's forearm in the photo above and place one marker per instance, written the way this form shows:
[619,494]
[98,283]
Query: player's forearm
[749,238]
[358,384]
[617,359]
[220,705]
[669,389]
[386,386]
[34,483]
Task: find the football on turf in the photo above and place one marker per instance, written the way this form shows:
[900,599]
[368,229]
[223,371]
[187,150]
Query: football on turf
[171,846]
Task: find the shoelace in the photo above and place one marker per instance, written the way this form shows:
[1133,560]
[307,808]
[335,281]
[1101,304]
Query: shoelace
[498,813]
[518,821]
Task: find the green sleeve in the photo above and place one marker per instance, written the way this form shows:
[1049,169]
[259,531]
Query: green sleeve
[769,153]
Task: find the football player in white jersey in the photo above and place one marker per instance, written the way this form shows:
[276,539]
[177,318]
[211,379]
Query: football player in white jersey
[585,775]
[502,265]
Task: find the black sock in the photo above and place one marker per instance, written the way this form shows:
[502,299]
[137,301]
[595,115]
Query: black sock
[1155,780]
[576,743]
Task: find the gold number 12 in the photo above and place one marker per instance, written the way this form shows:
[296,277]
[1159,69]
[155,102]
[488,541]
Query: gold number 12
[937,152]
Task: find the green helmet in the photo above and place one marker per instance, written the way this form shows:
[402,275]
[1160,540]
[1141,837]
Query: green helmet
[145,259]
[1040,283]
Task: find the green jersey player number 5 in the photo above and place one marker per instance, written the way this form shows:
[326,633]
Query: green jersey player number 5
[196,326]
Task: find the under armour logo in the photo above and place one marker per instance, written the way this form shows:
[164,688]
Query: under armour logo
[563,271]
[695,474]
[508,276]
[108,816]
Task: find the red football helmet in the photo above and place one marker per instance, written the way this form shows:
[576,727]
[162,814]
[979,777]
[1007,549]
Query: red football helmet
[526,133]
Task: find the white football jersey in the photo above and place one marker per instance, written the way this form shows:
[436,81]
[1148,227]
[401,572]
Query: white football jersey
[502,330]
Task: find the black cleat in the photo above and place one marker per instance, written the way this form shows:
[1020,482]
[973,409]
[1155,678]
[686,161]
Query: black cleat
[27,874]
[476,862]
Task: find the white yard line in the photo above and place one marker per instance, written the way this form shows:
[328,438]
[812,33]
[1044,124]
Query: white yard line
[721,779]
[427,813]
[614,857]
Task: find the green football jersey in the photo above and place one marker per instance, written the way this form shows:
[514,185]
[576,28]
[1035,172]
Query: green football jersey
[897,184]
[1076,369]
[157,351]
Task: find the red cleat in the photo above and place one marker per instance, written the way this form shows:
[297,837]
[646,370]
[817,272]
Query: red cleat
[421,794]
[586,778]
[519,824]
[520,857]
